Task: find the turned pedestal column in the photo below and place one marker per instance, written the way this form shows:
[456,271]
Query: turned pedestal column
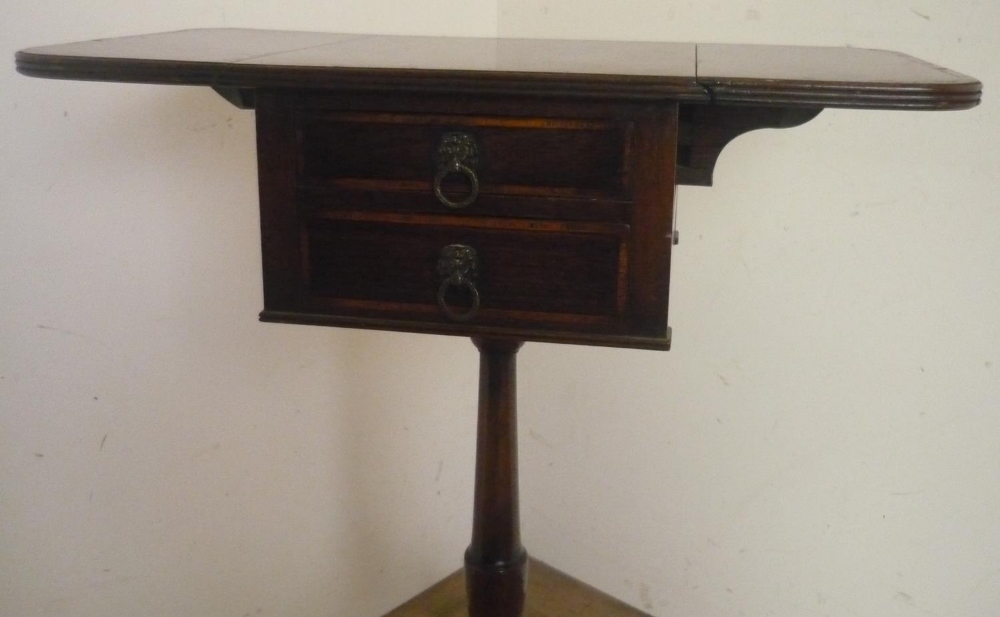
[496,562]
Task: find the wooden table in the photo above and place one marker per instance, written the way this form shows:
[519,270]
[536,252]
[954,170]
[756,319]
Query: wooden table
[506,190]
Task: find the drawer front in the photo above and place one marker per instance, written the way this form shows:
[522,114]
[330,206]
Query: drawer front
[459,161]
[403,267]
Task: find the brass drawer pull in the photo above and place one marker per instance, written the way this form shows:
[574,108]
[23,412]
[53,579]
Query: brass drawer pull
[457,153]
[458,266]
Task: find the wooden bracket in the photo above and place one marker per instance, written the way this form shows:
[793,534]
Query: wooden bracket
[240,97]
[706,129]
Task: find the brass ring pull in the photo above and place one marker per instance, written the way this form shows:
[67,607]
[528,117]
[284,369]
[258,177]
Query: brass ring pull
[469,173]
[447,310]
[458,266]
[457,152]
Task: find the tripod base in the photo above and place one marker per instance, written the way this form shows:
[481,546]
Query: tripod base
[550,594]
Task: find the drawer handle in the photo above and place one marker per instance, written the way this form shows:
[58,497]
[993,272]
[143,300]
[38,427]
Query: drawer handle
[458,266]
[457,153]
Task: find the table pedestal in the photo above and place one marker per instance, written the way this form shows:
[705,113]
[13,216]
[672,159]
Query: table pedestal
[495,581]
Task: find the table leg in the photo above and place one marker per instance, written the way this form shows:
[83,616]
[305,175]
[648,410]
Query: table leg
[496,562]
[494,581]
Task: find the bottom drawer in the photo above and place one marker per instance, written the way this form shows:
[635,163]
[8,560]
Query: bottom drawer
[504,272]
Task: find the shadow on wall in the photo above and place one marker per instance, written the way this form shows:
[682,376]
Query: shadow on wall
[408,440]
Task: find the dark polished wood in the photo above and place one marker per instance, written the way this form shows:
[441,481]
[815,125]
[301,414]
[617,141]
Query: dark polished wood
[706,129]
[571,221]
[551,593]
[353,268]
[496,563]
[506,190]
[544,157]
[830,77]
[721,74]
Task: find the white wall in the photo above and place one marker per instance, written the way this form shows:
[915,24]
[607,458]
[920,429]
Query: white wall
[820,442]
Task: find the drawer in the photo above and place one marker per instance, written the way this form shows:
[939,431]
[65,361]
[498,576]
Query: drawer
[577,168]
[511,156]
[570,227]
[453,270]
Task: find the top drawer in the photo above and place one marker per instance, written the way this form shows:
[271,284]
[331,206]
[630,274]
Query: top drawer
[457,158]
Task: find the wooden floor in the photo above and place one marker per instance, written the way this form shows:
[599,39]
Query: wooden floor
[550,594]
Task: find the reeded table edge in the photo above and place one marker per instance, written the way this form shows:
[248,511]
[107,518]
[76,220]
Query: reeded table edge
[886,96]
[234,75]
[699,90]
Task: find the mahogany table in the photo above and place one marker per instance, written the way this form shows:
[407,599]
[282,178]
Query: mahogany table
[507,190]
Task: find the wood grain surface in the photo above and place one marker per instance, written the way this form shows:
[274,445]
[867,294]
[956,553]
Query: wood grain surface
[571,225]
[230,59]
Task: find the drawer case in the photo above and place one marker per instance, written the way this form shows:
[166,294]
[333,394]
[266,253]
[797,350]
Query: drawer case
[528,218]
